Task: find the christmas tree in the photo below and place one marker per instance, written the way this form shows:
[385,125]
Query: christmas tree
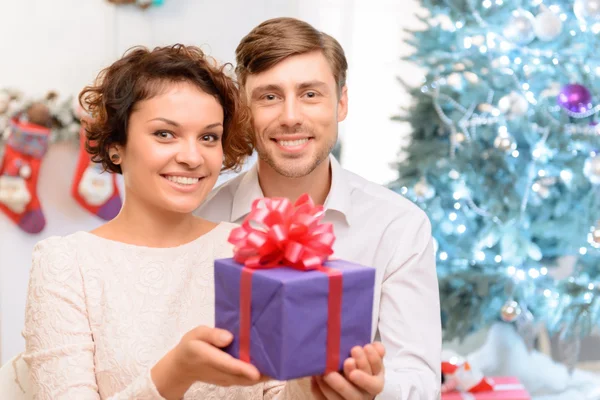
[504,158]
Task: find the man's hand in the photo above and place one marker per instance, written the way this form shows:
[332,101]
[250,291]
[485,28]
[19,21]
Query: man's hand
[363,376]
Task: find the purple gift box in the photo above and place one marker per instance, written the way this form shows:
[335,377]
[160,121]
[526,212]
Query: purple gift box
[289,314]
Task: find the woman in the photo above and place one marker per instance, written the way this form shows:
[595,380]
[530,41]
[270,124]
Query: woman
[126,311]
[106,310]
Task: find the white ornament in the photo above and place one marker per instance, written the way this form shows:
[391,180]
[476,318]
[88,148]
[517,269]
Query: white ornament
[14,106]
[547,26]
[4,102]
[587,11]
[519,28]
[444,22]
[513,104]
[471,77]
[591,169]
[95,187]
[14,193]
[25,171]
[542,190]
[478,40]
[594,236]
[458,137]
[6,133]
[552,91]
[424,190]
[454,80]
[505,142]
[485,108]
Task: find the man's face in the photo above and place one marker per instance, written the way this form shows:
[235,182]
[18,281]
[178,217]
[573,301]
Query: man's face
[296,109]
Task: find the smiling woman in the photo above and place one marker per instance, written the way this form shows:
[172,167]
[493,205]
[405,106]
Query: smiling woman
[130,305]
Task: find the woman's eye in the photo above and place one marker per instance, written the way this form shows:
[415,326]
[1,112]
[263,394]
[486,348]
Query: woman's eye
[211,138]
[164,134]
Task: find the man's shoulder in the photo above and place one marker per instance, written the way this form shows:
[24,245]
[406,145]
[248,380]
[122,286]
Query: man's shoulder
[383,200]
[217,205]
[227,189]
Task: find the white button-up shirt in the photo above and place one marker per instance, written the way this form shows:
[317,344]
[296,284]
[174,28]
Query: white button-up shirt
[379,228]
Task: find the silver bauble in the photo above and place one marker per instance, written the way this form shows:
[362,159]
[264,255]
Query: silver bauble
[587,11]
[520,27]
[510,311]
[547,26]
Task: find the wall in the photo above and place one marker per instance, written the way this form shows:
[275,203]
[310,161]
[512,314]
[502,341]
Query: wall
[62,45]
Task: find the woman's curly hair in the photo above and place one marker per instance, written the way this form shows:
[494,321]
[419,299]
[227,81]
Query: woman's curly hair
[141,74]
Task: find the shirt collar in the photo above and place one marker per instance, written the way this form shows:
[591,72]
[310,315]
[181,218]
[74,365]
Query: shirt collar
[338,198]
[249,189]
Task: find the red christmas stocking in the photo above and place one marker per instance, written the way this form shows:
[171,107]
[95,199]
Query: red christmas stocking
[25,147]
[94,189]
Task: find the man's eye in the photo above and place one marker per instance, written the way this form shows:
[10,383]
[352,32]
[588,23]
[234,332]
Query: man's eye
[269,97]
[311,95]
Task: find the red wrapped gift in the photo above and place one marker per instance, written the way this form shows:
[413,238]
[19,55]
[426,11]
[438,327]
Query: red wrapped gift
[504,388]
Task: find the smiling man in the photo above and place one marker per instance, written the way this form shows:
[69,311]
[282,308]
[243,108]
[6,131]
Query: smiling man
[294,78]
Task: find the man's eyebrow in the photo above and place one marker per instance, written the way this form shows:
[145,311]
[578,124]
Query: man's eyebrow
[311,84]
[266,88]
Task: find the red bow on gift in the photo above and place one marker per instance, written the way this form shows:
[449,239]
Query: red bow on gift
[275,234]
[278,233]
[462,377]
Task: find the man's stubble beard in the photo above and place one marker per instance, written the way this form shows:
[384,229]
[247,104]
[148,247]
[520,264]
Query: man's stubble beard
[292,172]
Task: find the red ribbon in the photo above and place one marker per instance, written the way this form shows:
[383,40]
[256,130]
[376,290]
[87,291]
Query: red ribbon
[277,233]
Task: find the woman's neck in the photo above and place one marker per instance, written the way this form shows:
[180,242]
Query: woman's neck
[142,224]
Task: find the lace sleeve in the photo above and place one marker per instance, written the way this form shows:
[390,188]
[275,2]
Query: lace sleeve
[298,389]
[58,338]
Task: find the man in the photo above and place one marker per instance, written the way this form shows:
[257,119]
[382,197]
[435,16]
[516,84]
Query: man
[294,78]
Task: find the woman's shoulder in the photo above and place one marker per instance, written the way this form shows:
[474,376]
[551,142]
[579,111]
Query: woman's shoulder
[60,244]
[220,237]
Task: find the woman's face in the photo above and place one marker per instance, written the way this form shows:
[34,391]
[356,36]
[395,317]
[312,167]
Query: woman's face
[174,151]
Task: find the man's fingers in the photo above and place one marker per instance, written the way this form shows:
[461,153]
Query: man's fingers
[359,355]
[369,383]
[343,387]
[380,348]
[375,360]
[349,366]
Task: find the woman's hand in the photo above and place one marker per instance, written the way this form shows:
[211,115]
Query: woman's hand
[198,357]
